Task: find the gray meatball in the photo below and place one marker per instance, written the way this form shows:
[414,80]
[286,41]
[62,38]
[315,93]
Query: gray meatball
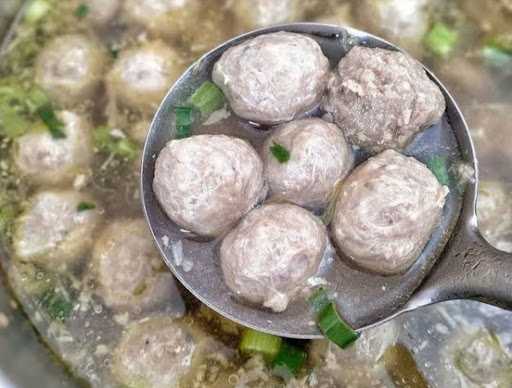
[56,229]
[382,98]
[319,158]
[70,69]
[161,18]
[206,183]
[141,76]
[273,78]
[386,211]
[268,257]
[154,352]
[128,271]
[43,159]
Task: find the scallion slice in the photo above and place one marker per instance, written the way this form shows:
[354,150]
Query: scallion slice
[49,118]
[184,121]
[255,342]
[207,98]
[328,320]
[288,361]
[280,152]
[438,165]
[83,206]
[81,11]
[441,39]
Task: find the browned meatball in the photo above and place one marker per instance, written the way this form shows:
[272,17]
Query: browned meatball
[386,212]
[382,98]
[273,78]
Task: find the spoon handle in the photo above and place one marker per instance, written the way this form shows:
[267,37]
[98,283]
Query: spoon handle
[470,268]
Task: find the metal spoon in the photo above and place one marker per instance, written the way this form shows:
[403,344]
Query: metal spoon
[456,263]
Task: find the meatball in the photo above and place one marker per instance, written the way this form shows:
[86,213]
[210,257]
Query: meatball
[43,159]
[273,78]
[206,183]
[99,12]
[403,23]
[386,211]
[382,98]
[162,18]
[494,210]
[319,158]
[70,69]
[56,228]
[252,14]
[141,76]
[127,269]
[154,352]
[268,257]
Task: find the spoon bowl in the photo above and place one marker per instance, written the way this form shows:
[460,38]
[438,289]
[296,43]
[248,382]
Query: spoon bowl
[455,263]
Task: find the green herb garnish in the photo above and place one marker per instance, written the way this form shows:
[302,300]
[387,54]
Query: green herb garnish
[49,118]
[441,39]
[118,146]
[438,165]
[37,10]
[184,121]
[207,98]
[81,11]
[84,206]
[254,342]
[280,152]
[57,304]
[288,361]
[329,321]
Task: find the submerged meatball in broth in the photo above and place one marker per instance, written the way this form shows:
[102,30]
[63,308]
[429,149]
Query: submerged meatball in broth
[268,257]
[206,183]
[70,69]
[43,159]
[386,211]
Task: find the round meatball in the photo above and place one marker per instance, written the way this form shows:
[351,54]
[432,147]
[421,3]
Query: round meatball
[141,76]
[99,12]
[127,269]
[43,159]
[405,23]
[494,210]
[56,228]
[319,158]
[206,183]
[382,98]
[70,69]
[269,256]
[162,18]
[273,78]
[386,211]
[154,352]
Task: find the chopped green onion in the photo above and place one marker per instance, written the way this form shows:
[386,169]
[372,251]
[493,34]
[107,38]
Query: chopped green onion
[12,124]
[114,52]
[280,152]
[334,328]
[497,52]
[207,98]
[255,342]
[83,206]
[330,323]
[81,11]
[118,146]
[57,304]
[54,125]
[183,121]
[438,165]
[441,39]
[37,10]
[288,361]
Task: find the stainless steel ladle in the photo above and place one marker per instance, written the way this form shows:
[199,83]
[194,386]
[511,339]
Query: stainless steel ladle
[456,263]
